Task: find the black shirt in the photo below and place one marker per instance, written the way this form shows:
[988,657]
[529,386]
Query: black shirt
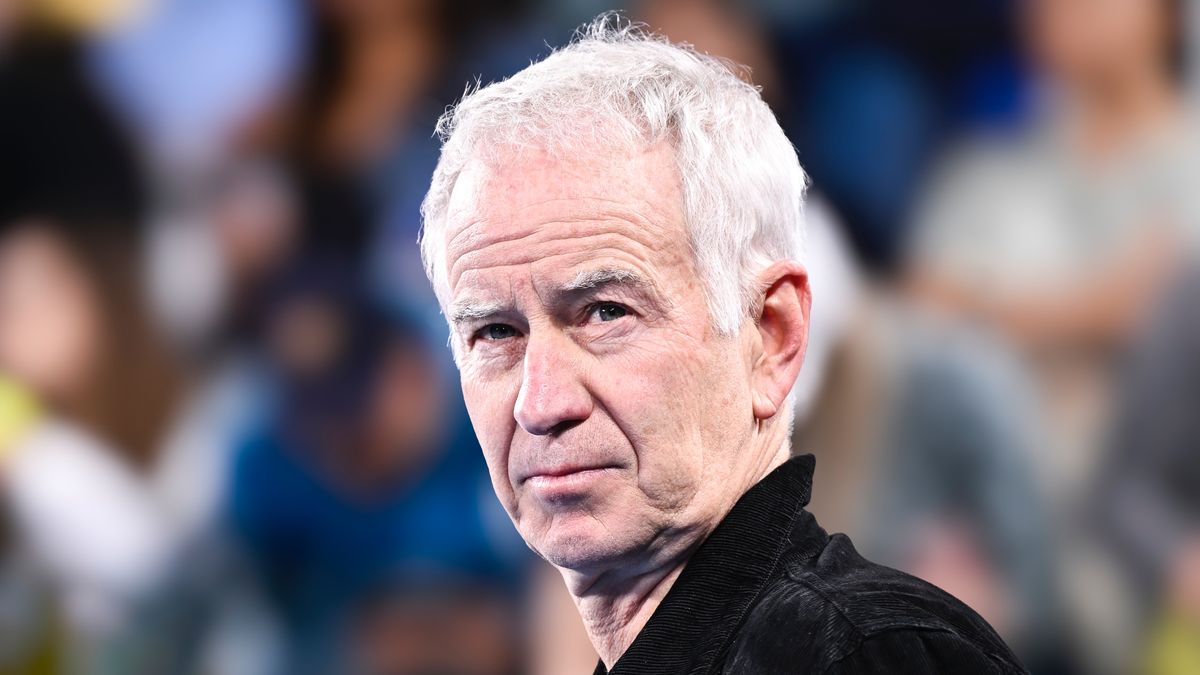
[769,592]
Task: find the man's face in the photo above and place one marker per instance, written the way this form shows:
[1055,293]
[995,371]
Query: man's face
[609,410]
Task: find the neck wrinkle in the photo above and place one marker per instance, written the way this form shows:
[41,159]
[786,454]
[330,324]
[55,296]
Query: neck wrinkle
[614,620]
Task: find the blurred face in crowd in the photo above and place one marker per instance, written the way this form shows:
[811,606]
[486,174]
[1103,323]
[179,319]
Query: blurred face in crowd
[610,411]
[406,409]
[1092,40]
[49,327]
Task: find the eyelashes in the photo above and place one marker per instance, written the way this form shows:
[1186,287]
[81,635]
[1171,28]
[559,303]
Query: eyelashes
[608,311]
[495,331]
[597,312]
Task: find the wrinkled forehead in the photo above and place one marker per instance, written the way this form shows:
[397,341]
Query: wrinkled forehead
[522,204]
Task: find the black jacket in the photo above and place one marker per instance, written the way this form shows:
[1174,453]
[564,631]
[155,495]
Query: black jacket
[769,592]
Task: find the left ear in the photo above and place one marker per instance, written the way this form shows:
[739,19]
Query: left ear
[781,318]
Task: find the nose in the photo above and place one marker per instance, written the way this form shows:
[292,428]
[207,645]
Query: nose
[553,397]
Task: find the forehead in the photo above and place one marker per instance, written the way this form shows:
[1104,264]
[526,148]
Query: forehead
[532,208]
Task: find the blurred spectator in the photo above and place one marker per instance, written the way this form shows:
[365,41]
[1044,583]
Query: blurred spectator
[360,140]
[30,631]
[871,89]
[560,643]
[716,27]
[932,422]
[64,154]
[191,104]
[1060,238]
[126,464]
[222,214]
[210,255]
[1027,235]
[423,630]
[369,478]
[81,479]
[1148,498]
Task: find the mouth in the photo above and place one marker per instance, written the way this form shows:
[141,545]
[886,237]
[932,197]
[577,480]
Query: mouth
[561,470]
[561,482]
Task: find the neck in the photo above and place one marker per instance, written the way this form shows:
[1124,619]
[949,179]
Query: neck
[616,604]
[614,613]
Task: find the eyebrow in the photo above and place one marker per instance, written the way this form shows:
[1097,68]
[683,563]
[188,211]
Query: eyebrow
[470,311]
[587,280]
[592,279]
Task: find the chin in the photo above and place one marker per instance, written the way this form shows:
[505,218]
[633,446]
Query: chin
[580,542]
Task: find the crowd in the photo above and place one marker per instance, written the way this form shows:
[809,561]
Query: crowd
[231,435]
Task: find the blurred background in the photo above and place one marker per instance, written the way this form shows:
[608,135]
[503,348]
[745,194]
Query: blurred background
[232,440]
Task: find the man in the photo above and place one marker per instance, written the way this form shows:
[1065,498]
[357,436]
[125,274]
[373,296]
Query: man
[614,235]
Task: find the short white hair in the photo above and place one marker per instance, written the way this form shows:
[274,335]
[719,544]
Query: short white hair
[616,84]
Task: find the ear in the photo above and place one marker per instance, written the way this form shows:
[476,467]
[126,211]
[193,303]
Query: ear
[781,318]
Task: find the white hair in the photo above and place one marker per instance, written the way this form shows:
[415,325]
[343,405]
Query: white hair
[617,85]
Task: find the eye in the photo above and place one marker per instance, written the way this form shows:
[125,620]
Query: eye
[608,311]
[496,331]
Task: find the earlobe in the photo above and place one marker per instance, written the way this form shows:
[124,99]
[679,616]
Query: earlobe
[764,407]
[782,323]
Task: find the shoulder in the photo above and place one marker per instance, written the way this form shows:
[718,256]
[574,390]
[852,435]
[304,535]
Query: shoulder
[837,612]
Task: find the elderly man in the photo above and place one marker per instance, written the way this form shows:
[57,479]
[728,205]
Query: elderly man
[615,236]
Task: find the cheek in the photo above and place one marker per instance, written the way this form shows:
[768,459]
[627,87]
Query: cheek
[673,399]
[722,418]
[490,407]
[645,388]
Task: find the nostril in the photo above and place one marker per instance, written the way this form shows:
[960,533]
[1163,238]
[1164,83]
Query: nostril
[551,415]
[563,427]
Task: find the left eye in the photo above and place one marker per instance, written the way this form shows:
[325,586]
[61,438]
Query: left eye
[608,311]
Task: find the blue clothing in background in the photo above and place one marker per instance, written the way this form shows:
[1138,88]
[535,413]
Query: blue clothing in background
[323,550]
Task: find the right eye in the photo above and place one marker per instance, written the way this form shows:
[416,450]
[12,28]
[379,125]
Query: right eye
[496,331]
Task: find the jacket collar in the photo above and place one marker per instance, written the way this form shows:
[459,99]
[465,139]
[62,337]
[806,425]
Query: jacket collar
[692,628]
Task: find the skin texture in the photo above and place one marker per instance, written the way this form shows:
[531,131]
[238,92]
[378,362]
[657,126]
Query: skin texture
[618,426]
